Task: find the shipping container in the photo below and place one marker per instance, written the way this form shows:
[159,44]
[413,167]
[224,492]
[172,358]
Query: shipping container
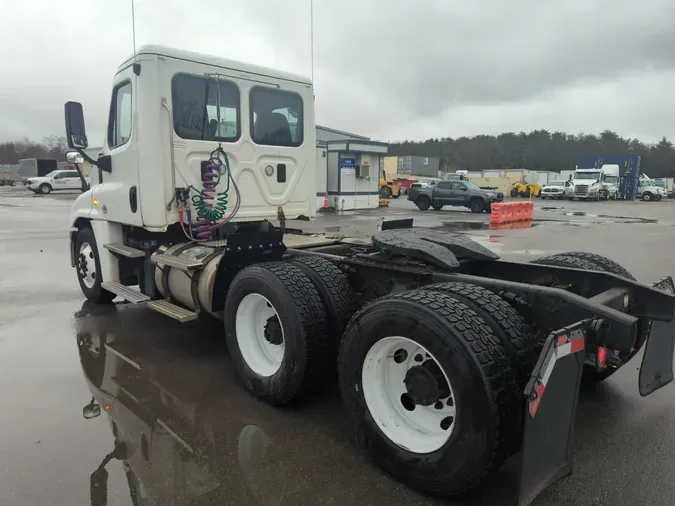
[414,165]
[37,167]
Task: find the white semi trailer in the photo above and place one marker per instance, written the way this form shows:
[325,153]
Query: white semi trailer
[445,353]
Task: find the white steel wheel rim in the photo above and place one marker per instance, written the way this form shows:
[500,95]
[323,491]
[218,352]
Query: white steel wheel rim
[253,315]
[87,265]
[423,429]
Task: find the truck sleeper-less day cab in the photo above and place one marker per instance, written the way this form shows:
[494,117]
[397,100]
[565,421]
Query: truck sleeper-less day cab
[450,360]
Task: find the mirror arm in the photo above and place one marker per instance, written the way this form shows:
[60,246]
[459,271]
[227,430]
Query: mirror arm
[86,157]
[85,186]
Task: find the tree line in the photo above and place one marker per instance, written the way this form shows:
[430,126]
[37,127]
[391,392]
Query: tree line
[538,150]
[52,147]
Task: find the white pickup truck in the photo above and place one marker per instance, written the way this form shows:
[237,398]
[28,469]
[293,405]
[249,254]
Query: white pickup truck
[57,180]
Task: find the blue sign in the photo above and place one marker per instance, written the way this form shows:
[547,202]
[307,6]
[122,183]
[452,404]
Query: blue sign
[348,163]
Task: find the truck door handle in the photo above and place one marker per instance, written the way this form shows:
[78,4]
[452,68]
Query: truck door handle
[281,172]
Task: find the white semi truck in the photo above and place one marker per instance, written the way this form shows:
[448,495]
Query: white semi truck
[445,353]
[595,184]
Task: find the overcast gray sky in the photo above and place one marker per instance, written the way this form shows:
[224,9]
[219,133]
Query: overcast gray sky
[391,70]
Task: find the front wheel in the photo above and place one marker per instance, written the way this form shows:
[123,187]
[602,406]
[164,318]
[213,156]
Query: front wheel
[477,206]
[45,189]
[88,266]
[647,197]
[434,367]
[385,192]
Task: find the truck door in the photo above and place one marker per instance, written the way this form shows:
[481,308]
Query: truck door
[121,142]
[58,181]
[458,194]
[73,181]
[281,141]
[443,193]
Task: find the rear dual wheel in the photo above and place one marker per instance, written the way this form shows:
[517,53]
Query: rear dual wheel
[283,322]
[431,389]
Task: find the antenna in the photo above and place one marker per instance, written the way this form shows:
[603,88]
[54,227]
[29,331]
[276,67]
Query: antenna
[311,34]
[137,67]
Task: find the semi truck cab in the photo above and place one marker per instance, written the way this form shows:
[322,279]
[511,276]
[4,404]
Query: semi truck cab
[587,184]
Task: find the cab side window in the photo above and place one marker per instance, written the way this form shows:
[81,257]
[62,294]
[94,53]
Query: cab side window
[121,115]
[276,117]
[458,186]
[444,185]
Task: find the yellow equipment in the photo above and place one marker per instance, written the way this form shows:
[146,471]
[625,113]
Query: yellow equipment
[387,189]
[525,190]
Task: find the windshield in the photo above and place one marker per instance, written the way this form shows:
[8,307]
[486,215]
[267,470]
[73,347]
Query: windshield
[586,175]
[556,183]
[471,186]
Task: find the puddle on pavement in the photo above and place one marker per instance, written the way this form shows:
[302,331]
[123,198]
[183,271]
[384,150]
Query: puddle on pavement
[615,219]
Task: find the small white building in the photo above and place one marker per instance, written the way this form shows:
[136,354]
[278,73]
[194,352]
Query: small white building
[348,169]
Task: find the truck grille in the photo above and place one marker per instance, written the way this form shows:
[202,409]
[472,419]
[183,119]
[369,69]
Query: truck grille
[581,189]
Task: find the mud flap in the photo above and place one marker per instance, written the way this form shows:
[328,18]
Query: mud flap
[656,370]
[550,410]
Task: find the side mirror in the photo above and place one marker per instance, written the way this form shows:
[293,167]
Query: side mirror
[91,410]
[464,188]
[75,131]
[74,157]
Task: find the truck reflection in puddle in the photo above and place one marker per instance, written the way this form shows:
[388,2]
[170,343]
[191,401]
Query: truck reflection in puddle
[181,435]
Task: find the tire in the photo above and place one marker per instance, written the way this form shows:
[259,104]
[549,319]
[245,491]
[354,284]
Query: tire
[514,192]
[469,355]
[543,198]
[336,294]
[385,192]
[477,205]
[600,262]
[515,335]
[571,199]
[646,196]
[437,208]
[423,203]
[591,261]
[86,260]
[298,314]
[45,189]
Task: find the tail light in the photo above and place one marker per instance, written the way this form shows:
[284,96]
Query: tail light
[601,357]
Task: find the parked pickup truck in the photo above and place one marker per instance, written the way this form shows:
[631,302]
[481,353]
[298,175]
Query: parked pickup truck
[454,193]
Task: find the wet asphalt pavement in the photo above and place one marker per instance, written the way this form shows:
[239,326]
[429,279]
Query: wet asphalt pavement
[194,436]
